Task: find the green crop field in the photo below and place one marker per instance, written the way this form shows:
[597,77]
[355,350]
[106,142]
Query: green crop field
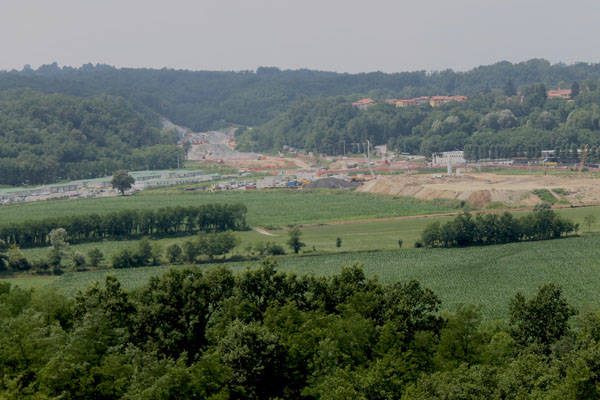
[358,236]
[486,276]
[480,275]
[277,207]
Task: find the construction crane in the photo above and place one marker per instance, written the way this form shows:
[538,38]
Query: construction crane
[585,151]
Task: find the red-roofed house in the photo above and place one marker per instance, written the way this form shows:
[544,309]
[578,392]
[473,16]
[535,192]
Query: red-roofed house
[416,101]
[436,101]
[364,103]
[559,94]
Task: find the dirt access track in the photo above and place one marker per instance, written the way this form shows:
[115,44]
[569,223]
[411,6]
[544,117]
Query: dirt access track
[480,189]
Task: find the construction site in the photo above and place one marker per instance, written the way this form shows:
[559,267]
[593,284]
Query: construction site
[481,189]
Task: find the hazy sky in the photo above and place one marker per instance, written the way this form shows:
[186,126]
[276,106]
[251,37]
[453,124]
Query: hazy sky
[339,35]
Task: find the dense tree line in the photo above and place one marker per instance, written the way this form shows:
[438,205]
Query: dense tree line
[207,99]
[49,137]
[127,223]
[487,125]
[205,244]
[485,229]
[263,334]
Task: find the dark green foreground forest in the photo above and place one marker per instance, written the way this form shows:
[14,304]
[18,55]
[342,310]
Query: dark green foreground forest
[263,334]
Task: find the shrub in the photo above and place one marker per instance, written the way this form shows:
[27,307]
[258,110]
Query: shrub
[174,253]
[156,257]
[274,249]
[216,244]
[294,240]
[95,257]
[78,260]
[17,260]
[190,251]
[124,259]
[545,195]
[143,254]
[40,266]
[560,191]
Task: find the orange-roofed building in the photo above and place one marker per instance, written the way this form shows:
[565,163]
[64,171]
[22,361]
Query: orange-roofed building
[364,103]
[559,94]
[437,101]
[416,101]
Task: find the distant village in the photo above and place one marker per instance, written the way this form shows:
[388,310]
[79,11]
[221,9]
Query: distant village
[436,101]
[433,101]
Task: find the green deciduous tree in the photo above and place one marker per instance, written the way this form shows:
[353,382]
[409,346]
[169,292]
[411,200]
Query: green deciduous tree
[122,181]
[294,240]
[95,257]
[544,319]
[174,253]
[216,244]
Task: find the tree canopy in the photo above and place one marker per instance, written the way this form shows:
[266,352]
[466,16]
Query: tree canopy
[50,137]
[122,181]
[263,334]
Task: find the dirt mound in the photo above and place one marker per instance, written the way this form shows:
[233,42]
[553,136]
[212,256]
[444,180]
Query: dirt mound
[480,198]
[481,189]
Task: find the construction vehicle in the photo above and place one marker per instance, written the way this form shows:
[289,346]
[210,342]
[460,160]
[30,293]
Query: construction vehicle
[585,151]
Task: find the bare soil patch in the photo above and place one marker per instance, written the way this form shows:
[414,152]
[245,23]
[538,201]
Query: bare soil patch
[481,188]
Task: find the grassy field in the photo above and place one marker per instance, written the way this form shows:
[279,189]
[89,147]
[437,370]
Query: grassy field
[377,235]
[487,276]
[278,207]
[363,236]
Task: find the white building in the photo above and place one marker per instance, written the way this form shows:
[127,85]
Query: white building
[455,158]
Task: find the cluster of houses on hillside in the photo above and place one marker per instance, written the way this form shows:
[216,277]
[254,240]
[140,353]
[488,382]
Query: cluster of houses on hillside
[436,101]
[433,101]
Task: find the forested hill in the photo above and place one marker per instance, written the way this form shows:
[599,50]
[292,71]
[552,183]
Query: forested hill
[205,99]
[486,125]
[49,137]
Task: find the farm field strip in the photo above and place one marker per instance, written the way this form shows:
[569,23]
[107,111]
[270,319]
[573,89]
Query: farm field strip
[279,208]
[488,276]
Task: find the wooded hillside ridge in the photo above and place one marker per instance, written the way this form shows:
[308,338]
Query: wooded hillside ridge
[204,100]
[45,138]
[486,126]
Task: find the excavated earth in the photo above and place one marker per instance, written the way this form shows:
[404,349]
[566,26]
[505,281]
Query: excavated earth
[482,188]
